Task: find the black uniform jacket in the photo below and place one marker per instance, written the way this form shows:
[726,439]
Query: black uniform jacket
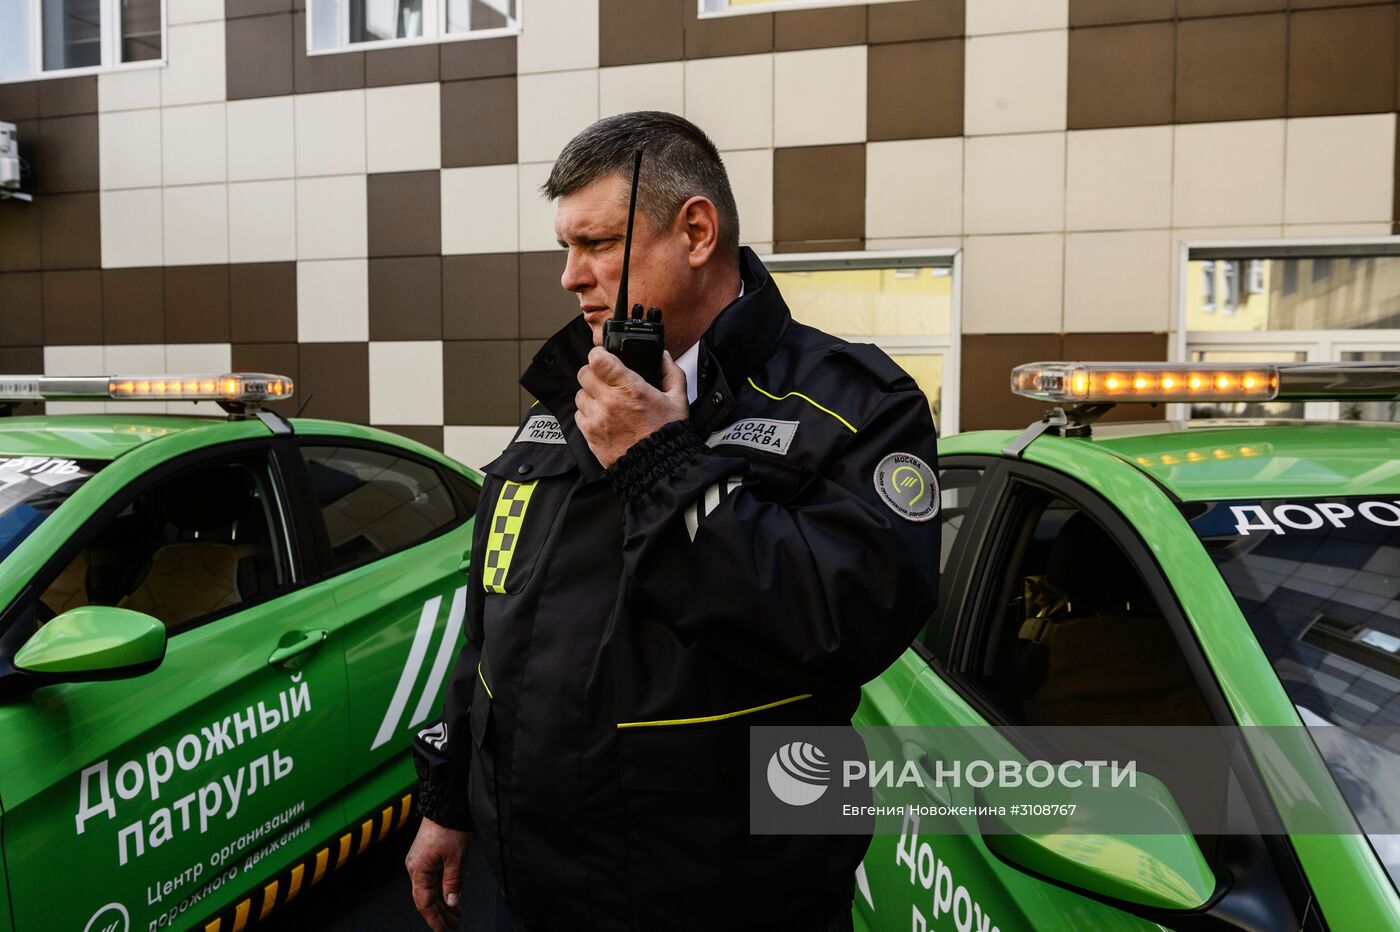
[751,566]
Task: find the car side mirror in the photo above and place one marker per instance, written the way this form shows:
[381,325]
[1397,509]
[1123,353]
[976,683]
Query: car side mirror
[94,642]
[1145,874]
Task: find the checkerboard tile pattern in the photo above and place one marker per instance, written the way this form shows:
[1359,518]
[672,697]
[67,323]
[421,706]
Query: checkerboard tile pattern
[370,223]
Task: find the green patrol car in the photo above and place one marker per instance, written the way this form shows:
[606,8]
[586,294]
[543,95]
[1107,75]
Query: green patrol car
[1230,572]
[219,636]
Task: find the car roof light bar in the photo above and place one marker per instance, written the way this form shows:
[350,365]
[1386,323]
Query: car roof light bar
[241,388]
[1107,383]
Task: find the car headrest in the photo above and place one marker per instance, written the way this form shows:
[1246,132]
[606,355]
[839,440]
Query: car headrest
[207,499]
[1093,570]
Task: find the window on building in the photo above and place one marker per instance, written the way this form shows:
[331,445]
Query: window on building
[905,304]
[45,38]
[740,7]
[344,24]
[1297,303]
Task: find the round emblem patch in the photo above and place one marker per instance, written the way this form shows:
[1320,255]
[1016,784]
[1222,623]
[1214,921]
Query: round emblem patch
[908,486]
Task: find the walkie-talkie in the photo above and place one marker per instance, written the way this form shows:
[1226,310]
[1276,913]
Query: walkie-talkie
[637,340]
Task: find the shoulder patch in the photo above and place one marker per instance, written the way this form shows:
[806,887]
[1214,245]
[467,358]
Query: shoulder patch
[875,361]
[908,486]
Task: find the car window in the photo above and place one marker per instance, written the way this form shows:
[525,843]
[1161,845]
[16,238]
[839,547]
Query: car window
[204,540]
[375,501]
[958,487]
[31,488]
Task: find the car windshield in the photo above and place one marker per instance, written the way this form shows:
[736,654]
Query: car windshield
[1318,580]
[31,487]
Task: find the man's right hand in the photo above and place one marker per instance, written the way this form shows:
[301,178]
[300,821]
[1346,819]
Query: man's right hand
[434,865]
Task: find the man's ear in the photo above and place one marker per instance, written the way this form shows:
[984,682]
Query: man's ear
[700,221]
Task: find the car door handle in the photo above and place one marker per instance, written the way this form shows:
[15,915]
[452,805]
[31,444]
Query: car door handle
[309,640]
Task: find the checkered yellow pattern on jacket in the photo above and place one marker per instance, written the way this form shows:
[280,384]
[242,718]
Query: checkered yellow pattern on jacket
[506,520]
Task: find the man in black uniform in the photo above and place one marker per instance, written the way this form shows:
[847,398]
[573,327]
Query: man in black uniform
[654,571]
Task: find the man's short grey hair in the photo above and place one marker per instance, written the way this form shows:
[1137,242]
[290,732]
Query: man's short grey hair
[680,162]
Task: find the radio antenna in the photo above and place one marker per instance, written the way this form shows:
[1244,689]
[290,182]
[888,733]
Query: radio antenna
[620,306]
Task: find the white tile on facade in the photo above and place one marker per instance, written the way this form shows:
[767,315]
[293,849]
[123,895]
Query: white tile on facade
[1228,174]
[910,243]
[128,144]
[1339,169]
[405,382]
[132,229]
[1306,230]
[261,139]
[1117,282]
[196,224]
[761,249]
[819,96]
[262,221]
[551,110]
[1016,83]
[197,359]
[74,360]
[659,86]
[332,218]
[330,133]
[195,74]
[479,210]
[178,12]
[333,301]
[731,99]
[476,446]
[1119,179]
[1014,184]
[913,187]
[1013,284]
[403,128]
[751,178]
[984,16]
[135,89]
[536,212]
[134,359]
[558,35]
[194,147]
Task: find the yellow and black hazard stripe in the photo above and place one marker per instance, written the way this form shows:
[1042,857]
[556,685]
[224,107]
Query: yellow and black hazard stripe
[506,520]
[355,839]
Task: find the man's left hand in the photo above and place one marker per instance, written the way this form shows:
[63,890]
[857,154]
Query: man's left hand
[616,407]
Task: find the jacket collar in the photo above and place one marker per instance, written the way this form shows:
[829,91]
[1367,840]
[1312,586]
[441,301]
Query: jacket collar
[738,342]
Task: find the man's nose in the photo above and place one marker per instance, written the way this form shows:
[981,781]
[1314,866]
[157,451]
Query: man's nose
[576,276]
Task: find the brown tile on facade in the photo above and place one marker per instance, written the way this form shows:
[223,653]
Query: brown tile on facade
[405,298]
[21,309]
[262,302]
[313,73]
[478,122]
[275,359]
[1107,12]
[338,375]
[66,158]
[133,305]
[481,297]
[19,101]
[412,64]
[19,236]
[1315,4]
[821,245]
[258,56]
[528,349]
[1121,75]
[477,58]
[234,8]
[919,19]
[544,304]
[1111,347]
[426,434]
[914,90]
[1186,9]
[71,231]
[1342,61]
[480,382]
[1231,68]
[819,193]
[987,361]
[634,32]
[73,307]
[68,96]
[717,36]
[819,29]
[196,304]
[404,214]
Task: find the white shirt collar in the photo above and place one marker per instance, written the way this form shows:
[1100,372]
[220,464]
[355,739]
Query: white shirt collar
[690,363]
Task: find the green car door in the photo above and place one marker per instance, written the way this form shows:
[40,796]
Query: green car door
[396,520]
[156,799]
